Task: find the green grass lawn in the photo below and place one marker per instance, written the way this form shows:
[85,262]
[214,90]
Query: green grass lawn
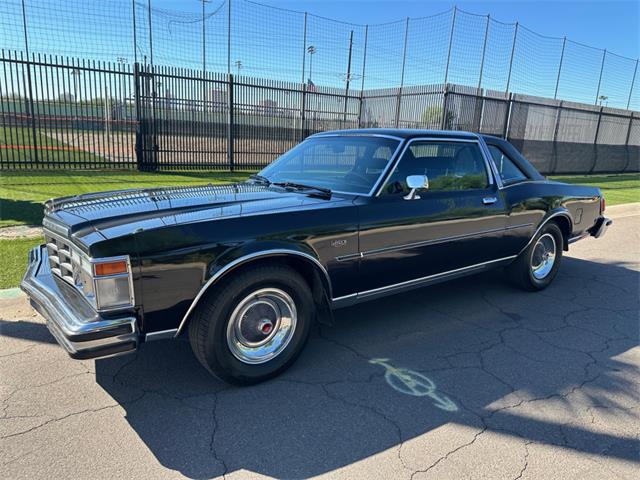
[617,189]
[14,260]
[22,193]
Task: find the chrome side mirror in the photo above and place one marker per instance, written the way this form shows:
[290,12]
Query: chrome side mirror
[415,183]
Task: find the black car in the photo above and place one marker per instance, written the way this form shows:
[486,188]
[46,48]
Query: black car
[344,217]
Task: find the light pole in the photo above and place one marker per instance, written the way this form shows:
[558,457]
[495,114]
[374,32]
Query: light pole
[603,98]
[311,50]
[238,65]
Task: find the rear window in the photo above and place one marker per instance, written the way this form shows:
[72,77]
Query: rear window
[508,170]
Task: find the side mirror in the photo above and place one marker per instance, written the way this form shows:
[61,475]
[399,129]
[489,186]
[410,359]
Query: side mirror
[415,183]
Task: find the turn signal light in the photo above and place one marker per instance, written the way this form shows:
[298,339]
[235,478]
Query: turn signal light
[110,268]
[602,204]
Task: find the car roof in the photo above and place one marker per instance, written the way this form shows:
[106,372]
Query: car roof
[404,133]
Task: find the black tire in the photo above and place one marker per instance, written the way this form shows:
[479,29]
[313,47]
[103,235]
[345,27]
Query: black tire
[210,321]
[521,271]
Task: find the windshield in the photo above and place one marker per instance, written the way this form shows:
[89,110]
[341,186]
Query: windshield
[350,164]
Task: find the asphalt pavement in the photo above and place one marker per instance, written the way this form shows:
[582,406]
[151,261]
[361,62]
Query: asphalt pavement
[468,379]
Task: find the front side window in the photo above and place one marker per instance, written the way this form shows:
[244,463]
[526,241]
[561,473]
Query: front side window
[341,163]
[449,166]
[509,171]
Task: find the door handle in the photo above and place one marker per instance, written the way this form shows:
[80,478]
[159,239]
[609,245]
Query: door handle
[489,200]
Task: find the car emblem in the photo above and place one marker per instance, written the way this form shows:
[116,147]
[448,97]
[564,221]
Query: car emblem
[338,243]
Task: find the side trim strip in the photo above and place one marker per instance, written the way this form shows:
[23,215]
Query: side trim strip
[434,241]
[418,281]
[241,260]
[437,241]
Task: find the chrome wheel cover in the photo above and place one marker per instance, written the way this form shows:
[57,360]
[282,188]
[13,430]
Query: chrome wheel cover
[261,326]
[543,256]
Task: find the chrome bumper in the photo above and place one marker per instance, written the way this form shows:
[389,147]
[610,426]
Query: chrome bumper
[596,231]
[77,327]
[600,228]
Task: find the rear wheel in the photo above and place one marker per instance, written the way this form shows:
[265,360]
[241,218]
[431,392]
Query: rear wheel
[254,326]
[536,267]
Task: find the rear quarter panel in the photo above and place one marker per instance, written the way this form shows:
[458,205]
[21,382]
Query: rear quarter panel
[531,203]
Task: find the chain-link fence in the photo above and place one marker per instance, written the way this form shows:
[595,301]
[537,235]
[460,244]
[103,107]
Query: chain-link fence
[247,38]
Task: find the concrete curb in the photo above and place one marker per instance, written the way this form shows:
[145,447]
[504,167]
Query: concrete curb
[10,293]
[624,210]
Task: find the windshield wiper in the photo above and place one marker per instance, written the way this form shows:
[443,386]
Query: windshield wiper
[324,192]
[260,179]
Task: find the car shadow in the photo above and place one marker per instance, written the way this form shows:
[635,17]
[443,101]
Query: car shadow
[473,352]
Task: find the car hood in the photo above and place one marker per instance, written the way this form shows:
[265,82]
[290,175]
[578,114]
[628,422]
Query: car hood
[106,215]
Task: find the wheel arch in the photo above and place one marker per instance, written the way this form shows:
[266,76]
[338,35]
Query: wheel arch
[562,218]
[306,264]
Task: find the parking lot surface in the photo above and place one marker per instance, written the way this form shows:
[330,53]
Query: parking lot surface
[468,379]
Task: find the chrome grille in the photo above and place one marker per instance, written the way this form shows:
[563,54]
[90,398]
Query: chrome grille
[69,263]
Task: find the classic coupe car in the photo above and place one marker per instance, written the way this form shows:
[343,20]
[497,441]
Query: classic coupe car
[344,217]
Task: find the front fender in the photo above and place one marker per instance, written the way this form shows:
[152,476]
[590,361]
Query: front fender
[238,256]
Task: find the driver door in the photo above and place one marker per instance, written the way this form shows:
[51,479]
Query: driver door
[457,222]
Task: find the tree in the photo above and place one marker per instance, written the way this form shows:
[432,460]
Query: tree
[432,117]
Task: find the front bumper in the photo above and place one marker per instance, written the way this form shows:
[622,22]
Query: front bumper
[77,327]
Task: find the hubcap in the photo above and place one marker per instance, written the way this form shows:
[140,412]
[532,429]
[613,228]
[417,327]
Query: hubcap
[543,256]
[261,326]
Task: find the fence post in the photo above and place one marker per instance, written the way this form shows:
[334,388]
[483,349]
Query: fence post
[140,127]
[364,63]
[453,26]
[228,37]
[404,61]
[564,43]
[484,50]
[303,101]
[346,90]
[150,33]
[626,142]
[36,155]
[554,165]
[230,122]
[633,80]
[445,106]
[507,122]
[135,41]
[513,51]
[595,140]
[604,55]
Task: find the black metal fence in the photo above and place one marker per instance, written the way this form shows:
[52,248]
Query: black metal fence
[68,113]
[246,38]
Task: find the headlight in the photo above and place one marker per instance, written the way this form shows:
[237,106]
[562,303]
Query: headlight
[112,283]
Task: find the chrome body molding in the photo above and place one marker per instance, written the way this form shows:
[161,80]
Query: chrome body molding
[434,241]
[239,261]
[161,335]
[543,223]
[348,300]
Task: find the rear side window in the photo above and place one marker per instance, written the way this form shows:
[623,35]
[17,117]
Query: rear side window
[508,170]
[448,165]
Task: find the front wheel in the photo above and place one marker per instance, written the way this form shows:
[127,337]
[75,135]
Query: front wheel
[536,267]
[254,326]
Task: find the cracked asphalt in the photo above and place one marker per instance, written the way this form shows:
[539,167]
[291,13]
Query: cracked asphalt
[468,379]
